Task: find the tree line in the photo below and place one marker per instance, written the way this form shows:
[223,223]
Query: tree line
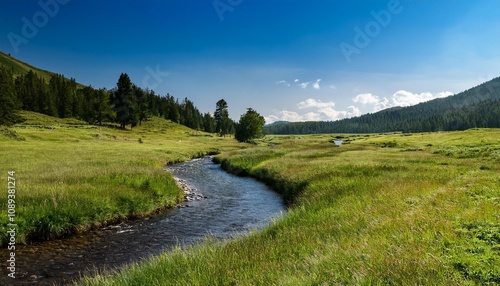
[126,104]
[485,114]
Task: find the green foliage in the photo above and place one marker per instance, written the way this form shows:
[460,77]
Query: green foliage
[208,123]
[477,257]
[125,102]
[97,107]
[54,95]
[190,115]
[9,106]
[143,109]
[250,126]
[223,124]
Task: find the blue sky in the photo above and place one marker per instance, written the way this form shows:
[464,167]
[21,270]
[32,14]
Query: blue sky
[289,60]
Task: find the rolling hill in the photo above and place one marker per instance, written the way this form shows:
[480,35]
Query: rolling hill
[25,87]
[478,107]
[21,68]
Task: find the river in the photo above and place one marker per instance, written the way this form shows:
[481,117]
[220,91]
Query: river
[226,206]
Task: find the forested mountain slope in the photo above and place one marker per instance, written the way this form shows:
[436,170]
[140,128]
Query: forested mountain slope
[476,107]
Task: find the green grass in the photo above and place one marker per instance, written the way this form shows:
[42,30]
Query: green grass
[72,177]
[382,210]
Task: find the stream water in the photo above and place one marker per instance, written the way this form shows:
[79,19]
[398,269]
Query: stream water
[229,206]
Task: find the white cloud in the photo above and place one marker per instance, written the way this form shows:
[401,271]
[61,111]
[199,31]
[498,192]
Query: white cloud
[370,99]
[322,111]
[406,98]
[304,84]
[444,94]
[296,80]
[353,111]
[316,84]
[311,103]
[401,98]
[366,98]
[333,87]
[284,115]
[283,82]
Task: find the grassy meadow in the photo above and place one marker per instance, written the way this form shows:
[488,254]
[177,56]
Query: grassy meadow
[386,209]
[71,177]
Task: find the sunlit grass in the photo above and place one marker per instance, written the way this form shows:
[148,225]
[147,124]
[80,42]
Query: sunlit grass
[385,209]
[71,178]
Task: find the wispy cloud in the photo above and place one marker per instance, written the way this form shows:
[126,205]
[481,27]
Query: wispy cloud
[320,111]
[304,84]
[282,82]
[313,103]
[316,84]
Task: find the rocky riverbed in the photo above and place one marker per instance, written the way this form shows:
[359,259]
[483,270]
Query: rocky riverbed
[190,193]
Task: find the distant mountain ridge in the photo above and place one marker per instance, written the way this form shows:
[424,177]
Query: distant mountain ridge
[477,107]
[282,122]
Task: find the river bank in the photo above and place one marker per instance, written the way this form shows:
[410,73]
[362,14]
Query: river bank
[230,206]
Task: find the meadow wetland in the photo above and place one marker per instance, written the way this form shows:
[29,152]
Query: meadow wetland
[381,209]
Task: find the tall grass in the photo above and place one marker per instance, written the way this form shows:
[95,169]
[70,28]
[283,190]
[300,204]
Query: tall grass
[71,178]
[365,213]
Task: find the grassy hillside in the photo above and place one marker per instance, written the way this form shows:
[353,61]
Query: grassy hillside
[71,177]
[20,67]
[380,210]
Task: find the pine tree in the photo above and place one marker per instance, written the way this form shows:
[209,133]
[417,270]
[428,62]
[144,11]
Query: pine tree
[221,116]
[143,110]
[208,123]
[102,106]
[65,94]
[125,102]
[9,106]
